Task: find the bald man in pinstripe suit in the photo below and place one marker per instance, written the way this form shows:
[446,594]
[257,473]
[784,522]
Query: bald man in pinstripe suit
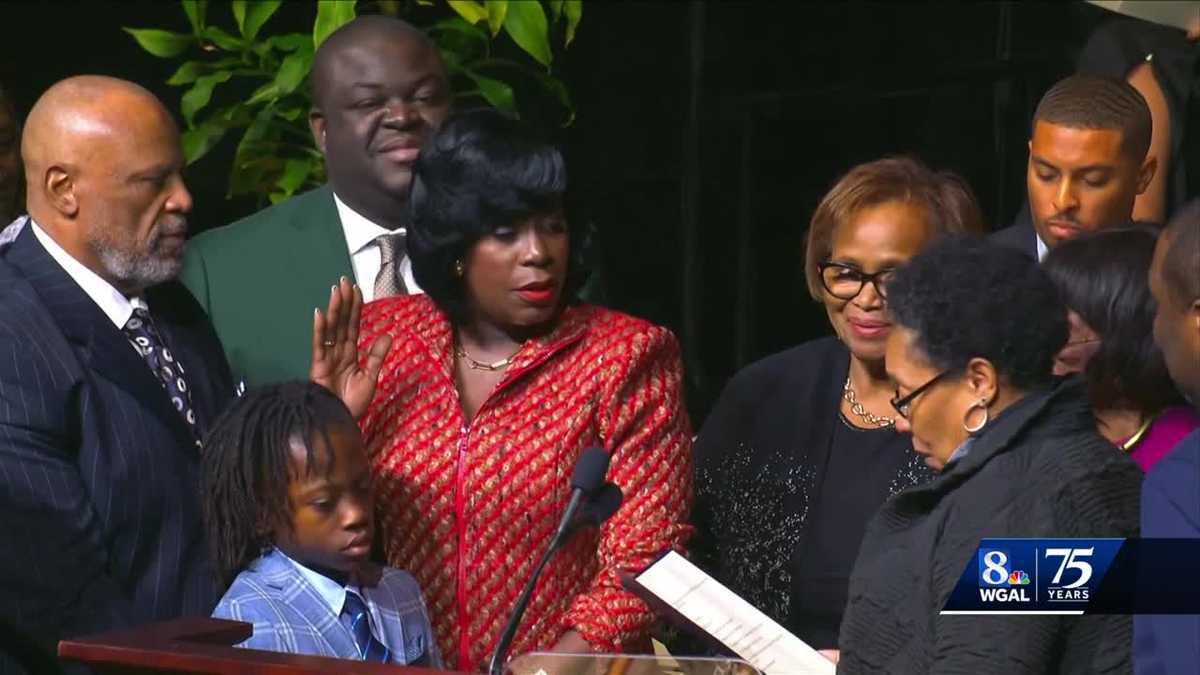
[110,373]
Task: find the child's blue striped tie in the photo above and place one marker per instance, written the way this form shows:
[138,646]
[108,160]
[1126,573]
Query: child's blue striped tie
[358,620]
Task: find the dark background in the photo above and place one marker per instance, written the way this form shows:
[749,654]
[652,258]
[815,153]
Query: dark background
[705,134]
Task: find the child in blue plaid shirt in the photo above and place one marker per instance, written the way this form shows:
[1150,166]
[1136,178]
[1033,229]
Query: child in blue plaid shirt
[289,512]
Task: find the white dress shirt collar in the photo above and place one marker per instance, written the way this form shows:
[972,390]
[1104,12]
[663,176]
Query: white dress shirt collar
[1042,249]
[360,232]
[333,593]
[112,302]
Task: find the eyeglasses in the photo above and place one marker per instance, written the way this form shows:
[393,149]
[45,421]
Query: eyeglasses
[845,282]
[904,405]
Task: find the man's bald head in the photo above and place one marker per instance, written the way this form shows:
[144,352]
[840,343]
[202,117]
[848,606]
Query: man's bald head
[364,34]
[103,166]
[81,115]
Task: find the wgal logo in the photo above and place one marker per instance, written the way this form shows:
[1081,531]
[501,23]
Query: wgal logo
[1000,580]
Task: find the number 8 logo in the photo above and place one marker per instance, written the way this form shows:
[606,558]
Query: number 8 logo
[994,563]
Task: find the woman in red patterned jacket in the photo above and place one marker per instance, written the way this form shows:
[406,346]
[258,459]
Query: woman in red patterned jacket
[496,381]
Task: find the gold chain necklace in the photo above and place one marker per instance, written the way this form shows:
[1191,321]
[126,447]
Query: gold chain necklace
[858,409]
[480,365]
[1137,435]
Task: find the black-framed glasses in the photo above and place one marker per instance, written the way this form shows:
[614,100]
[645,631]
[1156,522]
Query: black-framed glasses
[845,282]
[904,405]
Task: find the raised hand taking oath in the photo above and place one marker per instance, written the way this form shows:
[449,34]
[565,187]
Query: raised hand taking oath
[335,358]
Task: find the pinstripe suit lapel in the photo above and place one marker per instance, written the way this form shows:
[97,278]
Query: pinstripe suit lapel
[105,349]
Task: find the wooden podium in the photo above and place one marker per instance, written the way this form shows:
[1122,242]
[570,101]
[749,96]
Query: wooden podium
[204,646]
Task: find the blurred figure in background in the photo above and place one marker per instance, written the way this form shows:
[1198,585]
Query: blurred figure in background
[1104,282]
[1087,162]
[1160,62]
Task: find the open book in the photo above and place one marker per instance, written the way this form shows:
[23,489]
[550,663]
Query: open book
[688,595]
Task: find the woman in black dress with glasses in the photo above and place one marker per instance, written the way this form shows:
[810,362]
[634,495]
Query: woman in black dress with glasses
[801,450]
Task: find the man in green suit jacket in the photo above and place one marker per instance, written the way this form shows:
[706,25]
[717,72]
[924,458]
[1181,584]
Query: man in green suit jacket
[379,90]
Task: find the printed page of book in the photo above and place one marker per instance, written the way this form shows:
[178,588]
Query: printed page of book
[724,615]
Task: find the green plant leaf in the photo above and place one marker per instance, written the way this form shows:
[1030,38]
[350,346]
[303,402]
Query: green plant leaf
[188,72]
[197,11]
[293,114]
[293,70]
[390,7]
[456,36]
[198,140]
[574,11]
[200,94]
[290,42]
[221,38]
[331,15]
[294,173]
[161,43]
[555,10]
[257,14]
[239,14]
[497,10]
[526,23]
[244,176]
[472,11]
[499,94]
[291,73]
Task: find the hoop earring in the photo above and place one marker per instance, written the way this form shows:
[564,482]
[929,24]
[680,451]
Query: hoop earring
[981,405]
[459,268]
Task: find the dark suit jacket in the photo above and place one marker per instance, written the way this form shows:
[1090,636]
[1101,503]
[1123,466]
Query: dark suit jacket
[99,516]
[260,279]
[1165,644]
[1020,235]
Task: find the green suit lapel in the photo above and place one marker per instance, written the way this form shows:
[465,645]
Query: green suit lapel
[319,252]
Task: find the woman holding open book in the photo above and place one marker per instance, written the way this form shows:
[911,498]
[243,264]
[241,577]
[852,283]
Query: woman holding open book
[801,448]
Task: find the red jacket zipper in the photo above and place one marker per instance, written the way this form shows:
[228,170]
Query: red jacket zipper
[460,524]
[460,594]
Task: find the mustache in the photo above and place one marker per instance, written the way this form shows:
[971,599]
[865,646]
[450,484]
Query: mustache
[1063,218]
[176,226]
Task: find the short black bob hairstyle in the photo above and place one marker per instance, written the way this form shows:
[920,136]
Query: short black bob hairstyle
[482,171]
[1103,277]
[965,297]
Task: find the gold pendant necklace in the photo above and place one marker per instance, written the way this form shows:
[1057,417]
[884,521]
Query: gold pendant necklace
[474,364]
[858,409]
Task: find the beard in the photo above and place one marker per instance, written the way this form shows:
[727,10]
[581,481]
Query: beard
[134,268]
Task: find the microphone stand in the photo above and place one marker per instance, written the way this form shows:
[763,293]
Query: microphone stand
[510,631]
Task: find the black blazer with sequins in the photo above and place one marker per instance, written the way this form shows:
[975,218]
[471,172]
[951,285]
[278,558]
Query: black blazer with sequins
[760,464]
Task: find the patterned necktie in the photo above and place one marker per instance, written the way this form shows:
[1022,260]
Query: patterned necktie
[144,337]
[391,250]
[358,620]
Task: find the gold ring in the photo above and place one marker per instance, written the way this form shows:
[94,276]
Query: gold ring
[329,343]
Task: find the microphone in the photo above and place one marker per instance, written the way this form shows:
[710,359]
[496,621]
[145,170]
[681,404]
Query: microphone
[587,480]
[599,507]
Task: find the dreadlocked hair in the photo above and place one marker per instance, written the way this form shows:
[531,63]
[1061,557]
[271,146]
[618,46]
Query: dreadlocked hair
[248,466]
